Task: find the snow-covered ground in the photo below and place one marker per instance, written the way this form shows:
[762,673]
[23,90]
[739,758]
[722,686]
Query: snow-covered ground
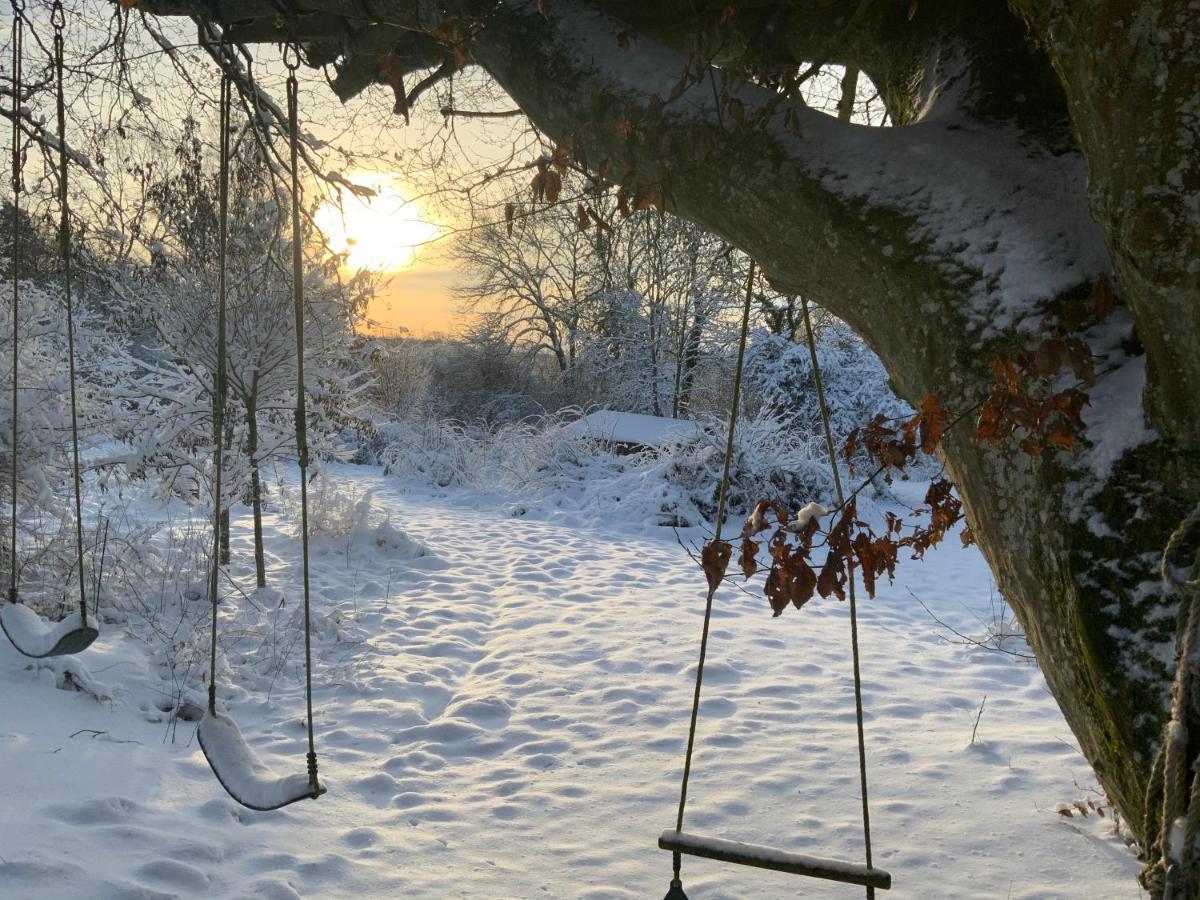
[505,716]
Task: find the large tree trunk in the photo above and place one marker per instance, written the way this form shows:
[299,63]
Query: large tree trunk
[944,243]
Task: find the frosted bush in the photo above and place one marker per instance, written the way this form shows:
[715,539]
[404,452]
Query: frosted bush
[334,510]
[537,463]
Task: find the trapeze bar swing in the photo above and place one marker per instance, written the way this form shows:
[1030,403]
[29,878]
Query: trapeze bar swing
[682,843]
[241,773]
[28,632]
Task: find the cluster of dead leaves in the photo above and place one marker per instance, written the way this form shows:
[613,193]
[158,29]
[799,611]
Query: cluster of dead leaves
[548,181]
[849,543]
[1053,420]
[454,36]
[1020,401]
[547,186]
[1104,809]
[893,448]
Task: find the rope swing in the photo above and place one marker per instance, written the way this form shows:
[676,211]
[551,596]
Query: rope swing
[736,852]
[245,778]
[1172,822]
[29,633]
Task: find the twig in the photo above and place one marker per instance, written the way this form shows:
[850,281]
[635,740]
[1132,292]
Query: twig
[970,640]
[978,716]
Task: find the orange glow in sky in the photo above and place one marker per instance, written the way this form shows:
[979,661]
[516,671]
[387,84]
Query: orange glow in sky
[389,234]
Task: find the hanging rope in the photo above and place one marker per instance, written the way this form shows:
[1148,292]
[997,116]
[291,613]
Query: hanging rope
[1169,798]
[291,59]
[677,859]
[58,20]
[837,484]
[220,387]
[18,55]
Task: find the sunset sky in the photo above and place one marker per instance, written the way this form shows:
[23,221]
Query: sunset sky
[417,298]
[395,237]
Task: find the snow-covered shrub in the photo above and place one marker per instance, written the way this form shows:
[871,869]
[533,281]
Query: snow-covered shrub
[334,510]
[403,377]
[45,522]
[425,449]
[342,517]
[44,418]
[770,461]
[779,378]
[536,463]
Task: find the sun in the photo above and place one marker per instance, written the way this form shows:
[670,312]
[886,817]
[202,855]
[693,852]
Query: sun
[383,233]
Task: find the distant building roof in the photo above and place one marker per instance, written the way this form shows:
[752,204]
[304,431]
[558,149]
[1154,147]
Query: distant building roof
[635,428]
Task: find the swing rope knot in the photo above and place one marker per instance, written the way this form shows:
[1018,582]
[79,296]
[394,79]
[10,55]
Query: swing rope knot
[312,774]
[1170,800]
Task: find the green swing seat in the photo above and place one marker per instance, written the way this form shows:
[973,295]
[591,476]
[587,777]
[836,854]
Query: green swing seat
[36,638]
[241,773]
[28,632]
[244,776]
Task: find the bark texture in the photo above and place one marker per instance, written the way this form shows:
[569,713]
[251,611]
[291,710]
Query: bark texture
[1042,146]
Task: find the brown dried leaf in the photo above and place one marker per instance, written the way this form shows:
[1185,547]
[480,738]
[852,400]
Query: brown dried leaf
[559,159]
[1079,358]
[776,592]
[600,223]
[933,423]
[748,560]
[553,185]
[1104,298]
[1061,438]
[803,582]
[832,577]
[714,558]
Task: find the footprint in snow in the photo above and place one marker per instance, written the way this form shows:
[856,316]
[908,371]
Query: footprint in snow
[175,874]
[487,712]
[100,811]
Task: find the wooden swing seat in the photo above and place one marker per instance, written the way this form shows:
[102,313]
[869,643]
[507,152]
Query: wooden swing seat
[36,638]
[767,858]
[244,776]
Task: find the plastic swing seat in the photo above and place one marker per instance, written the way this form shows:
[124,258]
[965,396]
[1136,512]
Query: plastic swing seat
[36,638]
[244,776]
[767,858]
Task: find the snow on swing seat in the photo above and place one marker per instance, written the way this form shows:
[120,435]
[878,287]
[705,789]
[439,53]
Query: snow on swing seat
[243,775]
[35,637]
[778,860]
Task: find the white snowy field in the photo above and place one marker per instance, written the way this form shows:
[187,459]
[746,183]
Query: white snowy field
[505,717]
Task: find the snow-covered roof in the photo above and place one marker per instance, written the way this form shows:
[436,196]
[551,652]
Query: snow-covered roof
[635,428]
